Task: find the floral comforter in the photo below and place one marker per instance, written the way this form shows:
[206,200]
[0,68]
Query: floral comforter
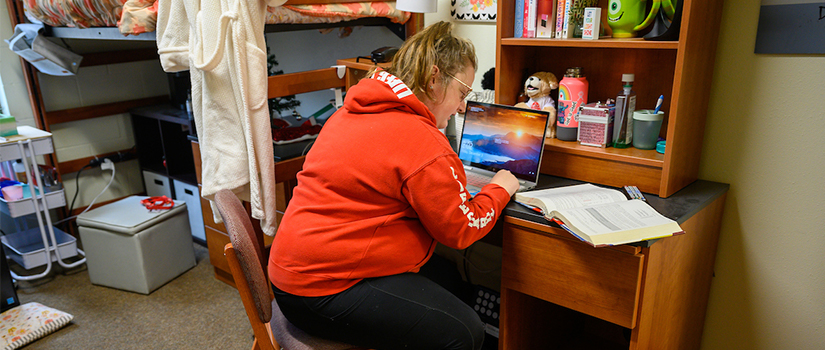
[139,16]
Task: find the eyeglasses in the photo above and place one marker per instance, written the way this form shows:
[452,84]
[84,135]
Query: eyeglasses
[469,89]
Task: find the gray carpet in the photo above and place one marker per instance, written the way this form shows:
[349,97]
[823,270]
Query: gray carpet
[193,311]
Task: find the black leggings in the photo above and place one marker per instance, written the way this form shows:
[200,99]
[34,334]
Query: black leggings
[406,311]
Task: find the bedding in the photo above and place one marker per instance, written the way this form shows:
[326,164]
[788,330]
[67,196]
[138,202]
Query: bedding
[134,17]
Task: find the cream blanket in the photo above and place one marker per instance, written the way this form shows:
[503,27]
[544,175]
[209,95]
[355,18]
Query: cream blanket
[222,44]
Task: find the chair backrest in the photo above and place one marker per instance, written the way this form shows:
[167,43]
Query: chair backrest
[245,258]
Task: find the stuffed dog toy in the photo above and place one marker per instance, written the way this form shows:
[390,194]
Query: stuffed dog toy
[537,88]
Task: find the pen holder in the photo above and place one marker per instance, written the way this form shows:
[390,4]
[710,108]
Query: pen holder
[646,127]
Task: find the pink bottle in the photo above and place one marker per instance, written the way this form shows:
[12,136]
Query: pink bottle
[572,96]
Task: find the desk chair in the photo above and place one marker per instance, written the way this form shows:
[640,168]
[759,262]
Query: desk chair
[245,257]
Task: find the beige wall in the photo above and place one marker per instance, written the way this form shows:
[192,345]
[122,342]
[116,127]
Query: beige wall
[764,137]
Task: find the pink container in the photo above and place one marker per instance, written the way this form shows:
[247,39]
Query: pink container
[572,96]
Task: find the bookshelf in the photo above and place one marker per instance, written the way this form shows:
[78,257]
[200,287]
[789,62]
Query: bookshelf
[680,70]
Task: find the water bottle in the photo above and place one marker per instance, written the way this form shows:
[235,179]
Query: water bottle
[572,96]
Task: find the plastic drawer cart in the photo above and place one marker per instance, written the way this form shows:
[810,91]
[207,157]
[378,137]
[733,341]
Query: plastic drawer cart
[132,248]
[44,244]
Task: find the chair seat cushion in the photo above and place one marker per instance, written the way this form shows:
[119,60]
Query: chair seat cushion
[293,338]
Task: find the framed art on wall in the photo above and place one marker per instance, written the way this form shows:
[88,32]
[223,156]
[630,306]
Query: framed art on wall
[474,10]
[791,27]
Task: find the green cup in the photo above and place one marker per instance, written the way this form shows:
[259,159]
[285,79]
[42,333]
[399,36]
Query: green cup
[626,17]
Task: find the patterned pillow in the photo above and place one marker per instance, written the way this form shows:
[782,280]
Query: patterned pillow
[24,324]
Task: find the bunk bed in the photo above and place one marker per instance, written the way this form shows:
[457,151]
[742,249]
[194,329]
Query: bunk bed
[139,46]
[133,20]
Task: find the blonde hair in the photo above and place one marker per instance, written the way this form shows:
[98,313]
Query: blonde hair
[435,46]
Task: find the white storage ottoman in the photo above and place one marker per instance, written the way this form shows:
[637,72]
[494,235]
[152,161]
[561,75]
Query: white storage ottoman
[131,248]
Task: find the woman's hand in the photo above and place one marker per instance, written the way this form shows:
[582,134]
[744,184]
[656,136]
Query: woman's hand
[507,180]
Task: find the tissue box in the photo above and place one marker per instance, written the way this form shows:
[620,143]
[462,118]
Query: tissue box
[8,126]
[596,124]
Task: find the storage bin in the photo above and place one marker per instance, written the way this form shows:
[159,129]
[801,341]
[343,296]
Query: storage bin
[132,248]
[190,194]
[157,185]
[26,247]
[24,206]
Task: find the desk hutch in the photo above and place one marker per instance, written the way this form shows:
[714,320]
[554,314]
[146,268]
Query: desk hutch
[558,292]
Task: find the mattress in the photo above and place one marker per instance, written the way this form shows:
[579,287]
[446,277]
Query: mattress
[139,16]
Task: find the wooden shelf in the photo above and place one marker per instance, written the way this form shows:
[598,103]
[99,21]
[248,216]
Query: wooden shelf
[649,158]
[680,70]
[633,43]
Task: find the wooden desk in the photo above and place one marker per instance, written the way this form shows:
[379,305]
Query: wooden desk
[560,293]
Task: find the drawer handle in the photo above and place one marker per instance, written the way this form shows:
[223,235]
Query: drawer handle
[158,182]
[187,191]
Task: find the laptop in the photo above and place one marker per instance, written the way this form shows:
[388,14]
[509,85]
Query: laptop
[496,137]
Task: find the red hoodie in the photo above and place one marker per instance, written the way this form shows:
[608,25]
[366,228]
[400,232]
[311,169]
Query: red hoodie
[378,188]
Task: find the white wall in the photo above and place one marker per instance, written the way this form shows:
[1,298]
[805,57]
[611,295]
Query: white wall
[12,75]
[482,34]
[764,136]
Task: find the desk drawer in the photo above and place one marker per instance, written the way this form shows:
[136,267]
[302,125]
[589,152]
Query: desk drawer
[600,282]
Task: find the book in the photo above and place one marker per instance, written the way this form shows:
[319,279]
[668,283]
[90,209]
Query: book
[600,216]
[545,19]
[591,23]
[567,29]
[519,20]
[560,17]
[530,20]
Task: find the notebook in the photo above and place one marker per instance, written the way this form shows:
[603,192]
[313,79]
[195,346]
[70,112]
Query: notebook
[496,137]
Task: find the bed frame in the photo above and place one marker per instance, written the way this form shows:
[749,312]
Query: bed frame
[281,85]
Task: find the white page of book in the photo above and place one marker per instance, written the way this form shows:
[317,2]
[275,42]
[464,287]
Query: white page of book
[576,196]
[606,218]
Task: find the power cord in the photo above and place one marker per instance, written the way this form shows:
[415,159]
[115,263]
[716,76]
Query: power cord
[77,185]
[106,164]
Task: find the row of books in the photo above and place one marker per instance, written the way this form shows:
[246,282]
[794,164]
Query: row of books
[560,19]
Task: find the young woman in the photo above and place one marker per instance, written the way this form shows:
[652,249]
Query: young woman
[378,189]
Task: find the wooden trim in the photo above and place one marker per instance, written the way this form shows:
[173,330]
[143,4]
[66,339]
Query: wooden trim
[122,56]
[414,25]
[101,110]
[74,165]
[302,82]
[693,74]
[677,282]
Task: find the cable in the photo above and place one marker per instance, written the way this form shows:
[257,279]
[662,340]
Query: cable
[77,186]
[93,200]
[112,165]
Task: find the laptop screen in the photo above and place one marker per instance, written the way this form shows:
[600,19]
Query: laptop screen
[498,137]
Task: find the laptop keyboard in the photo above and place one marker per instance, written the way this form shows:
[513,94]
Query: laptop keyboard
[477,180]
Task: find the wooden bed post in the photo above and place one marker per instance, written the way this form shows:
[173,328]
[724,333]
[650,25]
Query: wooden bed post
[415,24]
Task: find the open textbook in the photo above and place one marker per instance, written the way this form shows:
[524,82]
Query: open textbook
[600,216]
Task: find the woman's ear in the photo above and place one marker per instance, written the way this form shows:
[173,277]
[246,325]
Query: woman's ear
[434,77]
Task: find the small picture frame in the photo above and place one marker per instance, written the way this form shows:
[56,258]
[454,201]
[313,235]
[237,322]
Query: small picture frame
[474,10]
